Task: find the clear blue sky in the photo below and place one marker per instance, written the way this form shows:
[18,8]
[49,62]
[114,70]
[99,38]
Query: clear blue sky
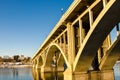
[24,24]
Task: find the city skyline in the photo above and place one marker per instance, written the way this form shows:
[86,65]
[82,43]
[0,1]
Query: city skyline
[24,24]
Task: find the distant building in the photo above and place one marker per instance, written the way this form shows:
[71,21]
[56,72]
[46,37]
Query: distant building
[21,57]
[6,57]
[16,59]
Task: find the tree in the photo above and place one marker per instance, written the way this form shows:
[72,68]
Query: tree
[1,59]
[16,58]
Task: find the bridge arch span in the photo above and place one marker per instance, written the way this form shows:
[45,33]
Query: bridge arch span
[40,61]
[55,50]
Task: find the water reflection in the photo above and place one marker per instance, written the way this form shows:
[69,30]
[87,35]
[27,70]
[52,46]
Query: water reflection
[37,75]
[15,74]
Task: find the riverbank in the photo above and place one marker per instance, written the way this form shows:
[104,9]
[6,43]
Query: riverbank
[16,66]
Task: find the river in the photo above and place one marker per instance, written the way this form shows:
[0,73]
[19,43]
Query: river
[30,74]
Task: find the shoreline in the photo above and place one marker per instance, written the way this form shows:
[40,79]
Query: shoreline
[16,66]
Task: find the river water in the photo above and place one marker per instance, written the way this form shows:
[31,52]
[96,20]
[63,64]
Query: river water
[30,74]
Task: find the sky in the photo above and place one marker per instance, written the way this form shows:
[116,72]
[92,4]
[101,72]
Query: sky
[25,24]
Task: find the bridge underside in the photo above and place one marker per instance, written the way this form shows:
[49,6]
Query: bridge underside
[97,34]
[113,54]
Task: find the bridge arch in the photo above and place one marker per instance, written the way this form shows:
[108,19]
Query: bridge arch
[40,61]
[55,50]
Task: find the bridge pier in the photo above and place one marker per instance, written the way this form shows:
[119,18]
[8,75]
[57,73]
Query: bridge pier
[45,69]
[37,66]
[68,74]
[51,69]
[90,75]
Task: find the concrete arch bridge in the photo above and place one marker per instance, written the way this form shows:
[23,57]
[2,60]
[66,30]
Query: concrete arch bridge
[85,43]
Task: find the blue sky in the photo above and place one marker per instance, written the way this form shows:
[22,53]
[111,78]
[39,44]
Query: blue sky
[24,24]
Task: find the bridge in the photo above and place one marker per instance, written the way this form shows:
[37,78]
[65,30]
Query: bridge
[85,43]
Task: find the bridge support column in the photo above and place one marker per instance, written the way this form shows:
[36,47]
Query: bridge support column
[71,43]
[33,66]
[47,69]
[44,69]
[38,64]
[90,75]
[68,74]
[104,2]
